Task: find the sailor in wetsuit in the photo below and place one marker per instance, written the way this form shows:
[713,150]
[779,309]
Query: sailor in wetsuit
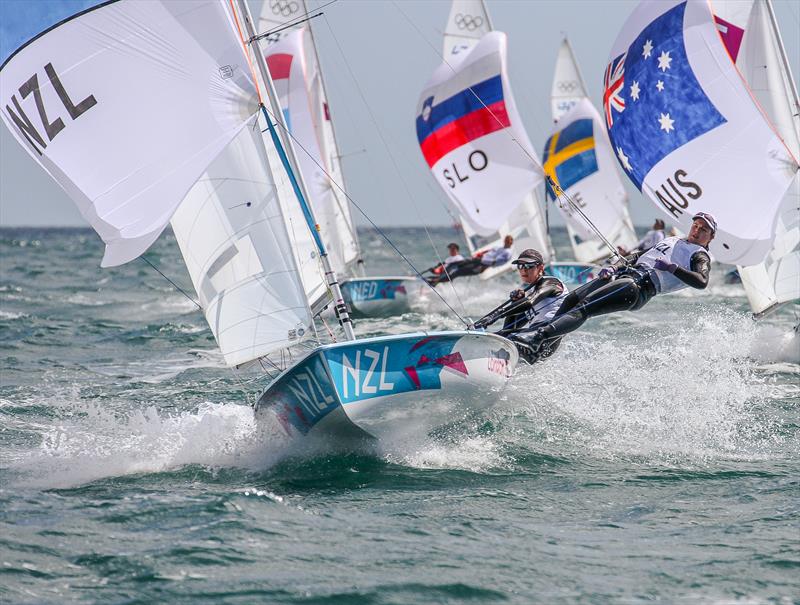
[478,263]
[532,306]
[670,265]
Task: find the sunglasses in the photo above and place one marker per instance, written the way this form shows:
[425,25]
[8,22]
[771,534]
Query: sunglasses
[527,265]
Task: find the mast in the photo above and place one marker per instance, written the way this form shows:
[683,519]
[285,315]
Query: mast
[350,223]
[302,191]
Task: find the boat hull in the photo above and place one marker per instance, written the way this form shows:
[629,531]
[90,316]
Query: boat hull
[391,386]
[572,273]
[380,296]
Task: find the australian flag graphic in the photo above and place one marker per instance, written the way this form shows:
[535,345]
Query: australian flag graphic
[663,105]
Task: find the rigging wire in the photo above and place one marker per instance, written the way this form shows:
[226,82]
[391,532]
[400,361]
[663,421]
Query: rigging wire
[174,285]
[293,22]
[405,185]
[533,160]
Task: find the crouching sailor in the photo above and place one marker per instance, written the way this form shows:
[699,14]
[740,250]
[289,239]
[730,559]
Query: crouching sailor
[628,285]
[533,304]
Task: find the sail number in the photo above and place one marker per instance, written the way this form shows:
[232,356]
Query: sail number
[51,129]
[476,162]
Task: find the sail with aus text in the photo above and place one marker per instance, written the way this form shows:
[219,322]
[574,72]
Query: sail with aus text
[687,131]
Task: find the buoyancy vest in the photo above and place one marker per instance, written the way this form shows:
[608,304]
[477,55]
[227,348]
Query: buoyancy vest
[545,309]
[672,250]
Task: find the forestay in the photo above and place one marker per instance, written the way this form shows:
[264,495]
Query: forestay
[579,158]
[124,105]
[472,138]
[687,131]
[231,233]
[750,34]
[294,65]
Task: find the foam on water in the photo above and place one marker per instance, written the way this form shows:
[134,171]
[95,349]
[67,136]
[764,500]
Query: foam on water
[683,394]
[91,443]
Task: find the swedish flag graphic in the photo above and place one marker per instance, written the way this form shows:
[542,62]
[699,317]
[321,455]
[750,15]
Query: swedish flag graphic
[569,155]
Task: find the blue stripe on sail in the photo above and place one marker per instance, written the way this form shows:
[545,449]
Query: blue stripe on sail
[577,131]
[22,20]
[460,104]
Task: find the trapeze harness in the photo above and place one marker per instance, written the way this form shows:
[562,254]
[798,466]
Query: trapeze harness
[630,291]
[537,308]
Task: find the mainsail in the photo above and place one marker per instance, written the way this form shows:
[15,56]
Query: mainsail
[295,68]
[750,33]
[231,233]
[579,158]
[473,140]
[125,104]
[687,131]
[568,85]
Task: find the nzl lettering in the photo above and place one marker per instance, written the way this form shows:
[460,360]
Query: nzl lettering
[51,129]
[309,393]
[672,195]
[477,161]
[365,384]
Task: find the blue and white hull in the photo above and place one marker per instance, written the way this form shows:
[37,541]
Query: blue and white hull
[381,296]
[572,274]
[391,386]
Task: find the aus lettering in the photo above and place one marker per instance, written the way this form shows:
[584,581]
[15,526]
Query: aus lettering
[50,127]
[476,162]
[674,193]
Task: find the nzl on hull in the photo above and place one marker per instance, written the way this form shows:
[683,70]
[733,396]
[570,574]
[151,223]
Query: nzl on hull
[374,384]
[572,273]
[381,296]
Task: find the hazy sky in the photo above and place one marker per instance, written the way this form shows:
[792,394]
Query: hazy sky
[391,48]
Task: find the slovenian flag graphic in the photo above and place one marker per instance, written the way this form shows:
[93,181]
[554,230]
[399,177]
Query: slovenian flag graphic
[460,119]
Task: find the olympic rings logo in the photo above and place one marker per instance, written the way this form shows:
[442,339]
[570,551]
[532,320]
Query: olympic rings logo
[468,22]
[567,86]
[284,8]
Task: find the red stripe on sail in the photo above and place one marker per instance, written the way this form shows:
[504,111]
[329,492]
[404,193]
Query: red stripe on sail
[280,65]
[474,125]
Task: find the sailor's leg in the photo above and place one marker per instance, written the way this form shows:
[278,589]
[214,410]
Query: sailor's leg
[619,295]
[579,294]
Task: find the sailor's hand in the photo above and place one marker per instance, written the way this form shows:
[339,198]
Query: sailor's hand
[663,265]
[607,273]
[517,294]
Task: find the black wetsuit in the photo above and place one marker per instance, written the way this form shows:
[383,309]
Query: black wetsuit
[630,291]
[522,313]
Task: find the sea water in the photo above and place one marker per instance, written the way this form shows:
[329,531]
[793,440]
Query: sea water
[655,458]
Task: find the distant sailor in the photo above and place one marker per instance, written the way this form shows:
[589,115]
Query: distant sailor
[532,305]
[650,239]
[670,265]
[478,263]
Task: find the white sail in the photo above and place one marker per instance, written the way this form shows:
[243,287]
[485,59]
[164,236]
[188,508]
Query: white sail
[231,233]
[688,132]
[525,225]
[125,104]
[578,156]
[753,42]
[568,85]
[467,23]
[472,137]
[295,68]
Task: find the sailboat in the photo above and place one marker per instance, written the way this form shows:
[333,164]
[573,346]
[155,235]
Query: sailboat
[751,35]
[579,159]
[466,125]
[714,147]
[293,61]
[190,149]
